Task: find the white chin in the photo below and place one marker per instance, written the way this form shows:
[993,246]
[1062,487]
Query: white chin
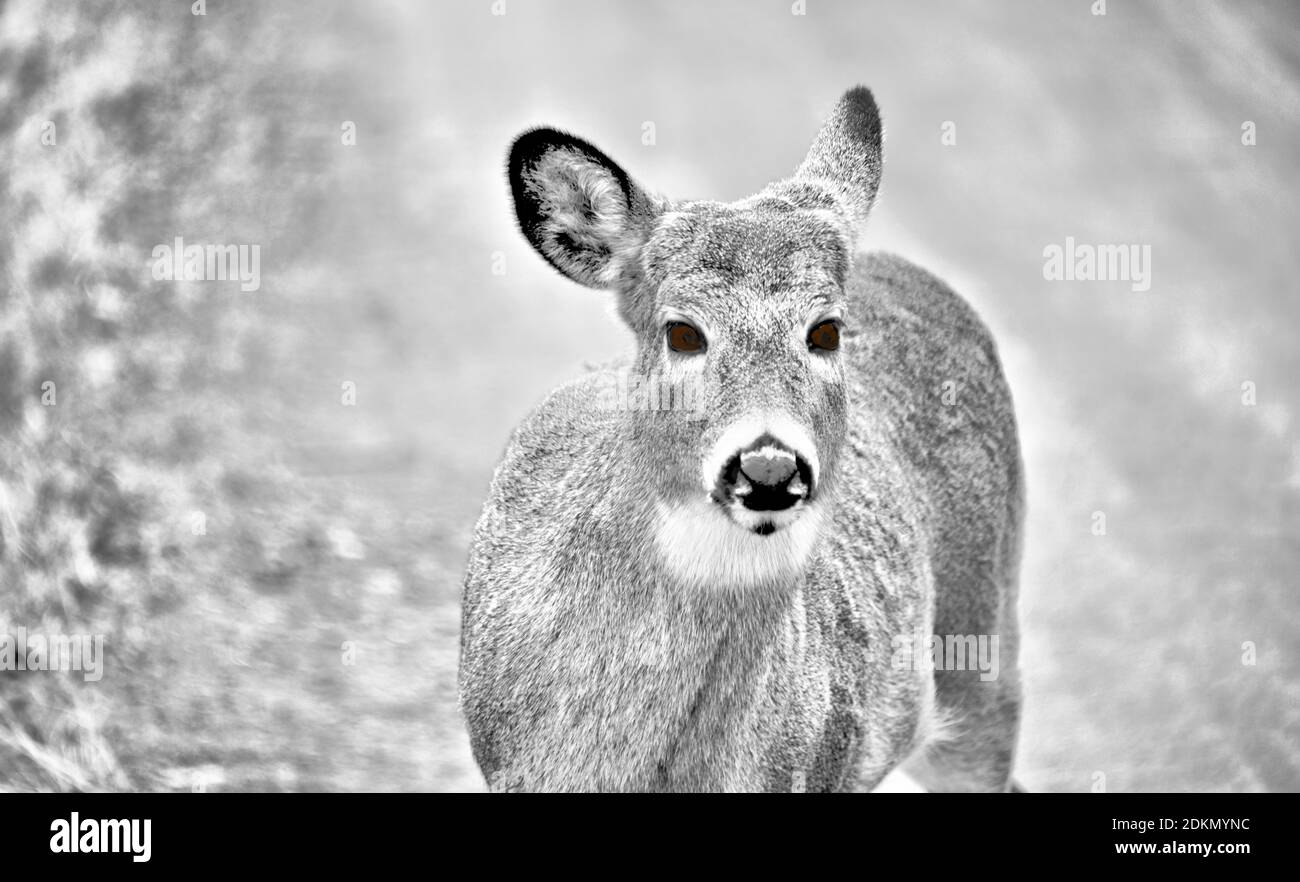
[708,547]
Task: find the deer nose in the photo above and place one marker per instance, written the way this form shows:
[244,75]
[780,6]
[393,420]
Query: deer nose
[770,466]
[766,475]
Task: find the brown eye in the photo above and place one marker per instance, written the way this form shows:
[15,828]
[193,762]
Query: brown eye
[825,336]
[684,338]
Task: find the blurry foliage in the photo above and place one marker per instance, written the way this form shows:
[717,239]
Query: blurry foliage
[144,501]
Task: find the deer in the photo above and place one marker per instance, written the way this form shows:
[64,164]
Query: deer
[732,596]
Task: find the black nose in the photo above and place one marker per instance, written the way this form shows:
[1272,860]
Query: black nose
[765,476]
[769,465]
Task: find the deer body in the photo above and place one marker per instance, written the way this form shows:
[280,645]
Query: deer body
[712,601]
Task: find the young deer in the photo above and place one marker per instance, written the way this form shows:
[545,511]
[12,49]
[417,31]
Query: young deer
[722,597]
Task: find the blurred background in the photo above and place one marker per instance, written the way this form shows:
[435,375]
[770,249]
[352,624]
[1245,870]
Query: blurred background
[263,500]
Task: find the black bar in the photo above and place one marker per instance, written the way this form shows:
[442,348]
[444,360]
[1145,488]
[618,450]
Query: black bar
[302,831]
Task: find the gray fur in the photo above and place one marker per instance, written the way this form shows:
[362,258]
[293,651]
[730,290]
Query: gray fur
[588,663]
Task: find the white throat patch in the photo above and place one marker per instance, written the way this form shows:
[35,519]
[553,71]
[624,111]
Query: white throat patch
[699,544]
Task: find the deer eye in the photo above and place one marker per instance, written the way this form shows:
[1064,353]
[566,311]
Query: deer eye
[825,336]
[685,338]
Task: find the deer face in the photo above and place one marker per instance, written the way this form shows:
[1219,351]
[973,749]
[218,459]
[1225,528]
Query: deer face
[756,291]
[740,309]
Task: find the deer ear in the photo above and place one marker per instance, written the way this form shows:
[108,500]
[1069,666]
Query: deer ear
[578,208]
[844,161]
